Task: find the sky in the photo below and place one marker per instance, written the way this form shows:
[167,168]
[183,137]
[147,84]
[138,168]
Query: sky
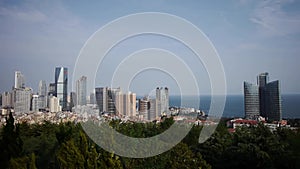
[250,37]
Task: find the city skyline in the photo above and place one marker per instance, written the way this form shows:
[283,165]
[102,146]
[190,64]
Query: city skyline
[256,36]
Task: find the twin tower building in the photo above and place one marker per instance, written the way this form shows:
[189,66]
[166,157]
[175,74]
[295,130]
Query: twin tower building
[263,99]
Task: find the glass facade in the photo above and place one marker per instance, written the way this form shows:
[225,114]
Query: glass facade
[263,99]
[61,86]
[273,101]
[251,100]
[81,90]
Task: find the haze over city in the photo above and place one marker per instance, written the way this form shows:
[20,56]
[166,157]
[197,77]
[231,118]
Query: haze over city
[250,36]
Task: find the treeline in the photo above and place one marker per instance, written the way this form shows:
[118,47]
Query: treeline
[66,146]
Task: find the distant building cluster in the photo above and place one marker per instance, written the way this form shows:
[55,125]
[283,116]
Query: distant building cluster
[54,98]
[114,101]
[152,108]
[54,103]
[263,99]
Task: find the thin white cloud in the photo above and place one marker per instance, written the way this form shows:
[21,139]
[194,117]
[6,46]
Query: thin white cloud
[273,20]
[27,16]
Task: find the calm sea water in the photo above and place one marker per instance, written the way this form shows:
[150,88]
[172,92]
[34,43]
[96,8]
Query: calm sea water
[234,106]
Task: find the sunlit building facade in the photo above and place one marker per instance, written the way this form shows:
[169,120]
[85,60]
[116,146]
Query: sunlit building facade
[61,86]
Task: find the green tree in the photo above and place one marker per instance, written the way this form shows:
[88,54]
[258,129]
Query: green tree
[69,156]
[25,162]
[11,142]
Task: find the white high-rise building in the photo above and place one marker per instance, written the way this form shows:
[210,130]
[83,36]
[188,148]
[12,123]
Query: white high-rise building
[126,103]
[132,104]
[35,103]
[81,90]
[42,92]
[7,99]
[152,110]
[54,104]
[162,100]
[19,80]
[22,97]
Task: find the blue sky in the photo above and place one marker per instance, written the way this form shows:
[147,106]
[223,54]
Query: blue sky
[250,36]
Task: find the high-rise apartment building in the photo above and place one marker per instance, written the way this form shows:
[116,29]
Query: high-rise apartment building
[162,100]
[81,90]
[61,86]
[144,107]
[22,98]
[35,103]
[147,108]
[7,99]
[269,98]
[125,103]
[54,104]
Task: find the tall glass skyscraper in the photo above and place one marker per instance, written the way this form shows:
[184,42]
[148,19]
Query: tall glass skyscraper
[61,86]
[81,90]
[251,100]
[273,101]
[264,97]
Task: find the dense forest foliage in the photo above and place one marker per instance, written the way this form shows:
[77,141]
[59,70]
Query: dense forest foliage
[66,146]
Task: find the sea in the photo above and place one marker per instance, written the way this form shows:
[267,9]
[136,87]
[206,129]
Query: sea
[234,106]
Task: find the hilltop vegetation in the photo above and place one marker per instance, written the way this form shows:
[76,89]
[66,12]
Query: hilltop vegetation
[66,145]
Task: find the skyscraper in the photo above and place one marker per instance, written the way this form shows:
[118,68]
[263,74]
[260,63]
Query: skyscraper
[19,80]
[144,108]
[101,98]
[81,90]
[92,98]
[51,89]
[251,100]
[273,101]
[162,100]
[35,106]
[7,99]
[269,98]
[132,104]
[42,92]
[73,100]
[22,98]
[125,103]
[262,80]
[61,86]
[54,104]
